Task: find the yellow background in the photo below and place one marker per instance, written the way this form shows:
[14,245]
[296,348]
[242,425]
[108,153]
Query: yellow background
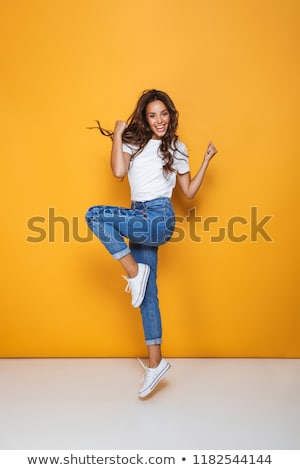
[232,69]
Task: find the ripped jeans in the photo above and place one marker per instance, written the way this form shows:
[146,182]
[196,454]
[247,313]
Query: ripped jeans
[147,225]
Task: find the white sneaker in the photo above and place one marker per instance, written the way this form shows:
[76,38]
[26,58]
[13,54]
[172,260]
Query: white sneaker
[152,377]
[137,285]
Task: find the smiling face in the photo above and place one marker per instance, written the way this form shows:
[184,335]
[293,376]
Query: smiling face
[158,118]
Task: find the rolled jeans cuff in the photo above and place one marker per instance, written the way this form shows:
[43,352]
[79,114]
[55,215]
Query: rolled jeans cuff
[122,253]
[150,342]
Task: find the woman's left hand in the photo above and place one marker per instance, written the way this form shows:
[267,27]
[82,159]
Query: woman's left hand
[210,151]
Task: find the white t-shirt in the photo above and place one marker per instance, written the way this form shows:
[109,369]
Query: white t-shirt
[145,174]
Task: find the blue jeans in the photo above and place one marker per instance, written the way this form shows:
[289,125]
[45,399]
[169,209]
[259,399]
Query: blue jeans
[147,225]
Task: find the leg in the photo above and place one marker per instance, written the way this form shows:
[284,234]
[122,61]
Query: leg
[150,306]
[129,264]
[155,357]
[106,222]
[158,367]
[111,224]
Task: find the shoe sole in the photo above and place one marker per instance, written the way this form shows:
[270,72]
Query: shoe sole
[155,382]
[141,296]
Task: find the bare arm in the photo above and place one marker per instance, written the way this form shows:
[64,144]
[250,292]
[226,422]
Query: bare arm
[119,160]
[190,186]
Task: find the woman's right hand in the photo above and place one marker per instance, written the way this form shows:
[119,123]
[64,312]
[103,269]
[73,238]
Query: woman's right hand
[120,127]
[119,160]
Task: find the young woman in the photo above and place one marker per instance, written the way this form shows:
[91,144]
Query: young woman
[147,149]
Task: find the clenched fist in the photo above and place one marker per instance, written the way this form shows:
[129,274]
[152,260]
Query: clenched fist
[120,127]
[210,151]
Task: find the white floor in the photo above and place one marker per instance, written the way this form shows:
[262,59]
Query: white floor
[201,404]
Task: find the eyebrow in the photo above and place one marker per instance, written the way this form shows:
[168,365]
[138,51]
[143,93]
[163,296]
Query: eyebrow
[162,111]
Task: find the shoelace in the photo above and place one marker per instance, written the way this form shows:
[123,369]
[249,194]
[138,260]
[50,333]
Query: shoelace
[128,286]
[145,371]
[142,364]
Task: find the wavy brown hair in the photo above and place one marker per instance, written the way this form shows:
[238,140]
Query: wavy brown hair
[138,132]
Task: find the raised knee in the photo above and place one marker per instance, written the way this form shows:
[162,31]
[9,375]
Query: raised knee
[89,215]
[94,213]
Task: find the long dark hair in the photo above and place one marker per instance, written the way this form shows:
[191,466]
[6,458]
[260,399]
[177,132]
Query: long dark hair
[138,132]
